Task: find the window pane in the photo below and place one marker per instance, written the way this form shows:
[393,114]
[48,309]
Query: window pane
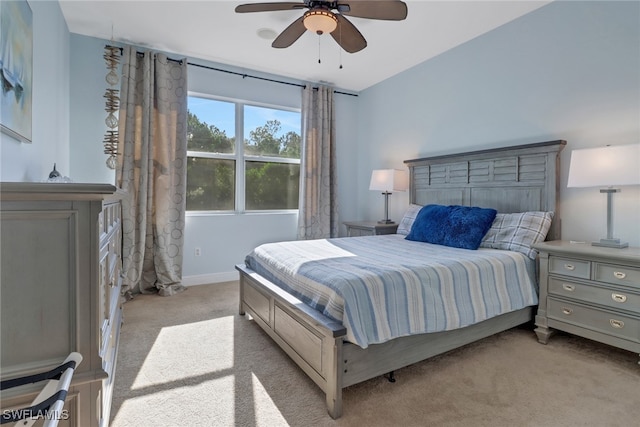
[211,125]
[271,185]
[210,184]
[270,132]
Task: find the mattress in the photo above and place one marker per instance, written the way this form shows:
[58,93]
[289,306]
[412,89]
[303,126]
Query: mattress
[384,287]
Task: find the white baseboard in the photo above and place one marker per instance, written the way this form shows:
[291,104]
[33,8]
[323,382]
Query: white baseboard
[205,279]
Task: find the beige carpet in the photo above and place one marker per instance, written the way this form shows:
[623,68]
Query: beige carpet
[191,360]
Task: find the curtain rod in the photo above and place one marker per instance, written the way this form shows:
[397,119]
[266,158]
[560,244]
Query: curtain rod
[243,75]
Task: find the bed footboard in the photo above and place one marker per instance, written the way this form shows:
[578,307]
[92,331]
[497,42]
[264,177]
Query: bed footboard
[318,344]
[312,341]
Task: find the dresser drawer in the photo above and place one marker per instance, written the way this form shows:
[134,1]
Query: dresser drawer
[616,274]
[612,324]
[570,267]
[595,294]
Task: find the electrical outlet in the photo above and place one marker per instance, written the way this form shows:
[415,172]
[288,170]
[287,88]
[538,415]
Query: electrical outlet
[198,252]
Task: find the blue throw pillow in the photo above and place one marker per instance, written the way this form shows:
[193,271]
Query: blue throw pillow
[455,226]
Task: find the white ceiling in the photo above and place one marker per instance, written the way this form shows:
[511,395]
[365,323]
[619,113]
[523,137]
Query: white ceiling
[211,30]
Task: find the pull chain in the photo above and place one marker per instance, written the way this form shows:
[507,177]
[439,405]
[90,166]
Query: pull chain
[340,47]
[319,49]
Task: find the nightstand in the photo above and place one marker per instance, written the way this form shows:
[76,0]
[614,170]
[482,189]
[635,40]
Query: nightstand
[590,291]
[369,228]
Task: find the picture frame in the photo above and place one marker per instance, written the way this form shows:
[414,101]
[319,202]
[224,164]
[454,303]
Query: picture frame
[16,69]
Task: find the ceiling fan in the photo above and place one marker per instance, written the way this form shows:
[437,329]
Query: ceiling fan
[329,17]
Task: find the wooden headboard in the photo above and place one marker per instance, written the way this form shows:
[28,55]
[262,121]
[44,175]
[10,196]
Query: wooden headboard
[510,179]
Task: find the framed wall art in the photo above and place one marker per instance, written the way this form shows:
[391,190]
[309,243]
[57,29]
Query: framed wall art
[16,69]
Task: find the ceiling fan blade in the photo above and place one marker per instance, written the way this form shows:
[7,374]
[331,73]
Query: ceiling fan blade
[290,34]
[390,10]
[348,36]
[269,7]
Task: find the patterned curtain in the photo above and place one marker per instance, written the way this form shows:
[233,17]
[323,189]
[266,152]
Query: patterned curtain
[152,170]
[318,210]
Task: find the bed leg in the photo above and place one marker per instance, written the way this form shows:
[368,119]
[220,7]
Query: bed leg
[391,377]
[334,378]
[241,307]
[334,404]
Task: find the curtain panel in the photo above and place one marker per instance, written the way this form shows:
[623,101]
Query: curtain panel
[152,170]
[318,209]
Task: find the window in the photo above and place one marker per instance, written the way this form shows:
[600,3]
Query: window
[242,157]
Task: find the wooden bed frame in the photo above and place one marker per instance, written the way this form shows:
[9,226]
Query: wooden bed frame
[513,179]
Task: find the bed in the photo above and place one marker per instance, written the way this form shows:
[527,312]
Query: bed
[336,354]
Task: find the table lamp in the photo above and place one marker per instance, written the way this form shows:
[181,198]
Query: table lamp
[607,167]
[387,181]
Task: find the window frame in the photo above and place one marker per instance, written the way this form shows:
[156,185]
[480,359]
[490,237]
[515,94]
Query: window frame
[241,158]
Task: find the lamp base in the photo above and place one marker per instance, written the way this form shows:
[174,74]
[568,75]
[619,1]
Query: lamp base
[386,221]
[611,243]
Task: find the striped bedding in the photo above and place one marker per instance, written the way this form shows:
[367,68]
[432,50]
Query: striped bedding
[384,287]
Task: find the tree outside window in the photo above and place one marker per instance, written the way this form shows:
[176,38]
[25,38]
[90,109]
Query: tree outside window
[269,156]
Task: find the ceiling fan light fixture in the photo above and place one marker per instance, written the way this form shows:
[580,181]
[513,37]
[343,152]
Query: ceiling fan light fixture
[320,21]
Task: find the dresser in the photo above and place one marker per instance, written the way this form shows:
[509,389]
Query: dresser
[590,291]
[60,291]
[369,228]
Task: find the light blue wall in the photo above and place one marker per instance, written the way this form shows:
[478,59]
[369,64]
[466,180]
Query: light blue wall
[50,116]
[88,71]
[569,70]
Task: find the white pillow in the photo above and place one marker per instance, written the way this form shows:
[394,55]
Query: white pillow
[407,220]
[518,232]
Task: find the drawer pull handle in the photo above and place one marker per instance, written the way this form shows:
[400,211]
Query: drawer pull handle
[619,297]
[619,274]
[617,323]
[570,267]
[568,287]
[567,311]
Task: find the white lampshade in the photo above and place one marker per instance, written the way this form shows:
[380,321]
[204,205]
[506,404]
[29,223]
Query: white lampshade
[389,180]
[605,166]
[320,21]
